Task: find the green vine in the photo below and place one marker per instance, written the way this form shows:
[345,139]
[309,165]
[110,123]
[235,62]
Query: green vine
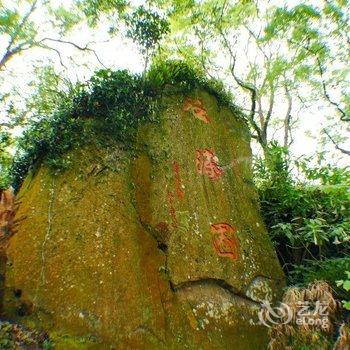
[109,107]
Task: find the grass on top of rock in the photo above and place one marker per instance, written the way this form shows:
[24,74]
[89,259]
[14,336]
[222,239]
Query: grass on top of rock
[108,107]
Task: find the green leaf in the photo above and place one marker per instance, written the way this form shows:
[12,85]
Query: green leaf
[346,285]
[339,283]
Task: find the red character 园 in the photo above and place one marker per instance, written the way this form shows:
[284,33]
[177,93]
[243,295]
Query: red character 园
[225,240]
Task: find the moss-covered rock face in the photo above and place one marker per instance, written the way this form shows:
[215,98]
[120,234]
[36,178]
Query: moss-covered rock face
[159,248]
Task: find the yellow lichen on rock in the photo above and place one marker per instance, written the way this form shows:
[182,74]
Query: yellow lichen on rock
[162,251]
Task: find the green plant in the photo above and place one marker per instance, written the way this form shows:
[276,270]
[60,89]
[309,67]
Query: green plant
[15,336]
[306,209]
[48,345]
[183,78]
[5,159]
[329,270]
[109,107]
[6,337]
[146,28]
[345,284]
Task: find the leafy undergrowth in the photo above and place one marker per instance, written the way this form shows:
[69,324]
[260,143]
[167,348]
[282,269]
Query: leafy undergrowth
[307,212]
[14,336]
[330,270]
[306,208]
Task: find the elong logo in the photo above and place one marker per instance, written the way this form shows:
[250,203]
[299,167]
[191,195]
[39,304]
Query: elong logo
[307,314]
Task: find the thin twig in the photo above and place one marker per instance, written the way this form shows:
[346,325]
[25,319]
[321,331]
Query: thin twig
[81,48]
[342,150]
[343,115]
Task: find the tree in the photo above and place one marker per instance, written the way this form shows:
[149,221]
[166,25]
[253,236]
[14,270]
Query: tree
[27,28]
[24,27]
[21,32]
[326,43]
[95,9]
[146,28]
[269,53]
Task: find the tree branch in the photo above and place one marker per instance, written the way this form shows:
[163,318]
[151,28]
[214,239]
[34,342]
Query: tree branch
[269,112]
[252,90]
[260,113]
[342,150]
[253,97]
[56,51]
[288,117]
[343,115]
[202,58]
[81,48]
[9,51]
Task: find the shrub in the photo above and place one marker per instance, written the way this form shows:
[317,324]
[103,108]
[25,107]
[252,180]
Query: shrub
[330,270]
[306,209]
[5,159]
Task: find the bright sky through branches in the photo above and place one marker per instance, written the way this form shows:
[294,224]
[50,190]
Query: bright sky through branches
[120,53]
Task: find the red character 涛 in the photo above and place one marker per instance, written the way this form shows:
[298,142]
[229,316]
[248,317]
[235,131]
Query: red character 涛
[207,164]
[225,241]
[197,109]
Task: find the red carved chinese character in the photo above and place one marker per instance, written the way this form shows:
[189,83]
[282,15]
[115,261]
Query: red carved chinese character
[178,186]
[206,163]
[197,109]
[170,198]
[225,241]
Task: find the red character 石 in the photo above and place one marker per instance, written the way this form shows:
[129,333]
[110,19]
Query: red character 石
[225,240]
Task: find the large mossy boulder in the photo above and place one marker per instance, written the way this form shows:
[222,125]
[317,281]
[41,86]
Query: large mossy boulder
[161,247]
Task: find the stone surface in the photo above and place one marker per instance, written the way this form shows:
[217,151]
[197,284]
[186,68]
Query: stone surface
[159,248]
[7,212]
